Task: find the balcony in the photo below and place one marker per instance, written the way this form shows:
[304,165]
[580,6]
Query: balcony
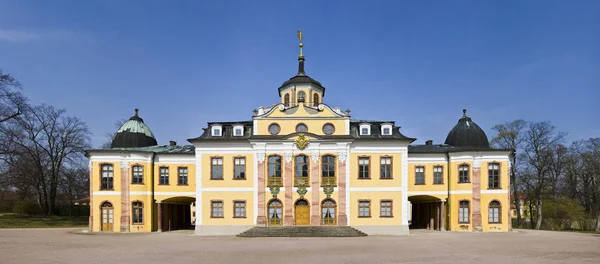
[301,181]
[328,181]
[274,181]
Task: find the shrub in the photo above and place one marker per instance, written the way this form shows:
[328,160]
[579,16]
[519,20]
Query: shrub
[560,213]
[25,207]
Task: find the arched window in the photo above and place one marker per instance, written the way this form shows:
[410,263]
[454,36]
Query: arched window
[275,212]
[301,170]
[138,212]
[494,212]
[315,99]
[286,100]
[463,212]
[328,170]
[107,177]
[137,176]
[328,212]
[301,96]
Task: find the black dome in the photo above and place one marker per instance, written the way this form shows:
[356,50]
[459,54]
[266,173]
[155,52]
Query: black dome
[134,134]
[467,134]
[301,78]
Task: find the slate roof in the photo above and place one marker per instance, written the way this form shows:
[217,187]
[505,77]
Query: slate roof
[167,149]
[467,134]
[447,149]
[134,133]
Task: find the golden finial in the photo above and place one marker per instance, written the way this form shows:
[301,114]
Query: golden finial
[301,38]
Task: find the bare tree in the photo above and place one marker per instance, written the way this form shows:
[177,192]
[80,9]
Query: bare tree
[46,139]
[12,101]
[510,136]
[539,140]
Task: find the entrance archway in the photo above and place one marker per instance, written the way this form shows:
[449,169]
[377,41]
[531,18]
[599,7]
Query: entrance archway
[107,213]
[328,207]
[302,216]
[427,212]
[175,213]
[275,212]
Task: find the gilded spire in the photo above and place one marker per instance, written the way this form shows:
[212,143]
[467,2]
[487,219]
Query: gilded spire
[301,38]
[301,56]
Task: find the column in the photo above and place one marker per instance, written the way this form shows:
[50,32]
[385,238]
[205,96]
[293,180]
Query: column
[315,207]
[439,215]
[341,180]
[476,196]
[443,218]
[431,218]
[288,217]
[125,204]
[160,216]
[261,220]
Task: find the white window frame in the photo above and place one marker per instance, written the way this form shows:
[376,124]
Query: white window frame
[367,126]
[388,126]
[215,128]
[235,128]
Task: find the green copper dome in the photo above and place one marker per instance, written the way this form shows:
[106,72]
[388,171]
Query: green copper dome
[134,134]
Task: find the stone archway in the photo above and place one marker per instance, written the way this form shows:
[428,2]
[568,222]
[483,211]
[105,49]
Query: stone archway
[427,212]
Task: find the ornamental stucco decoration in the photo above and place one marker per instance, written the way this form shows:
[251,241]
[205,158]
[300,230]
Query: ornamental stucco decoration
[301,142]
[260,157]
[314,156]
[287,157]
[342,156]
[302,190]
[124,164]
[274,191]
[328,190]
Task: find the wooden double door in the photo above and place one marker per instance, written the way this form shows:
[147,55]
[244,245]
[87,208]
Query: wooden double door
[302,215]
[107,214]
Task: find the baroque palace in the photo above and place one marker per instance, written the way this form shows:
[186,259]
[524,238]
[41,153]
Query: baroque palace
[299,162]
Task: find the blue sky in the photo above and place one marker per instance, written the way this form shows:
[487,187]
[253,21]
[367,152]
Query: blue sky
[185,63]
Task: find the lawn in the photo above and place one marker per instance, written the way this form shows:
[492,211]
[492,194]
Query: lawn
[10,220]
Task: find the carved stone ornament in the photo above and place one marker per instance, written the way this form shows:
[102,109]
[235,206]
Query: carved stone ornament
[274,191]
[302,190]
[301,142]
[287,157]
[342,156]
[260,157]
[124,164]
[328,190]
[314,156]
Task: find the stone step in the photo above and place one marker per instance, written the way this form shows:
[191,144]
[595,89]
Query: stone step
[302,231]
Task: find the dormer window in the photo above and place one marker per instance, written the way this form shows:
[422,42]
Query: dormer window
[217,131]
[365,129]
[238,131]
[386,130]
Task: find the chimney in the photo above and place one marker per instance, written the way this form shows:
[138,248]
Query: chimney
[172,143]
[429,142]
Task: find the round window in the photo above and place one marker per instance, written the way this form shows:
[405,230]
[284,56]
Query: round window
[301,128]
[328,129]
[274,129]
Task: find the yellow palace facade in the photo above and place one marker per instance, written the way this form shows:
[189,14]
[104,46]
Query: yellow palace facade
[299,163]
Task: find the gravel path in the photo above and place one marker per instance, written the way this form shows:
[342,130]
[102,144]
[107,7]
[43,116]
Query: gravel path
[69,246]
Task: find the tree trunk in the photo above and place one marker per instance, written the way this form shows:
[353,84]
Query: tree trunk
[598,222]
[531,214]
[538,223]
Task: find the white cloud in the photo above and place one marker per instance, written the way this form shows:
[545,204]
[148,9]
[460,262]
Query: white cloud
[19,35]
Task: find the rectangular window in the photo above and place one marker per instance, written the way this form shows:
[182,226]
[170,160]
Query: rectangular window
[363,167]
[463,173]
[137,176]
[364,208]
[386,208]
[164,176]
[106,170]
[494,176]
[438,175]
[182,178]
[463,212]
[239,209]
[216,209]
[238,131]
[364,131]
[217,132]
[386,168]
[420,175]
[386,131]
[239,168]
[216,169]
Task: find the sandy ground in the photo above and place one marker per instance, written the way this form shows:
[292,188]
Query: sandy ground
[69,246]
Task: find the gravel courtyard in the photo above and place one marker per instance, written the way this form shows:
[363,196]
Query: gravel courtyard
[69,246]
